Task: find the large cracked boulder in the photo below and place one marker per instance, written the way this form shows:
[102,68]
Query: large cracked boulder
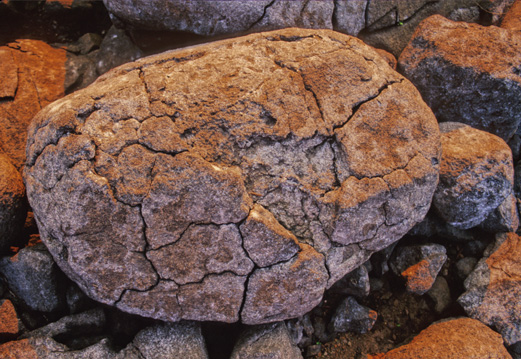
[232,181]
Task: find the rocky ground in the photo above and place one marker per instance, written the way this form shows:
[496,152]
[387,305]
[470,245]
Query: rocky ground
[461,261]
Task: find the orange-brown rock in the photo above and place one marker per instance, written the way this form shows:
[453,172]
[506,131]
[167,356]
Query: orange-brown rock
[494,288]
[9,325]
[32,75]
[512,19]
[455,338]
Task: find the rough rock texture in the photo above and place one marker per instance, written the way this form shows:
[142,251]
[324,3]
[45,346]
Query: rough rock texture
[476,175]
[266,341]
[467,73]
[454,338]
[385,24]
[419,265]
[512,19]
[192,162]
[9,323]
[33,277]
[32,75]
[171,341]
[493,289]
[505,218]
[13,206]
[350,316]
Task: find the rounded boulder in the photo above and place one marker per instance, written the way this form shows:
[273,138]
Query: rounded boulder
[235,180]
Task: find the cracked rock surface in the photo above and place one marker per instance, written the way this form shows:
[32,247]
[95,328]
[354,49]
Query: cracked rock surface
[232,181]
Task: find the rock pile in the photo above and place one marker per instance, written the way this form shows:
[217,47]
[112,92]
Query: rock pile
[263,178]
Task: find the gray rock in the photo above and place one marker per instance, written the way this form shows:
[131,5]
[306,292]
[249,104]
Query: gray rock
[467,72]
[433,226]
[270,169]
[171,341]
[493,288]
[505,218]
[300,330]
[115,49]
[476,176]
[465,266]
[440,294]
[12,204]
[33,276]
[350,316]
[419,265]
[87,323]
[355,283]
[266,341]
[222,17]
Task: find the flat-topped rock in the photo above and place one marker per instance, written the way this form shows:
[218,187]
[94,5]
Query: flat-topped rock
[232,181]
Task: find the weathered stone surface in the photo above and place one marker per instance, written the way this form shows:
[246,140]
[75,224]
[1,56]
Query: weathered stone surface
[115,49]
[12,203]
[222,17]
[440,294]
[505,218]
[493,288]
[350,316]
[453,338]
[355,283]
[171,341]
[467,73]
[266,341]
[419,265]
[32,75]
[476,175]
[33,277]
[9,322]
[184,159]
[512,19]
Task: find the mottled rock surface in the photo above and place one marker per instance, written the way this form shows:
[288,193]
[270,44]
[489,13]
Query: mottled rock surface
[493,289]
[266,341]
[32,75]
[9,323]
[467,73]
[476,175]
[512,19]
[13,206]
[454,338]
[419,265]
[192,162]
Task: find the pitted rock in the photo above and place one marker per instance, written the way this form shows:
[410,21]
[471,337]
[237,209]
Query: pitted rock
[232,181]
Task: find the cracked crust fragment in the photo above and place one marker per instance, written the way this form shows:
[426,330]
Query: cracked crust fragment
[239,179]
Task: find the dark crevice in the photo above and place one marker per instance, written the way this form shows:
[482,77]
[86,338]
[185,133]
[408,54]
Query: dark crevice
[366,13]
[357,106]
[264,11]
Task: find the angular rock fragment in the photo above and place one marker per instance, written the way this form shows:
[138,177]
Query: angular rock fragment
[232,181]
[34,278]
[350,316]
[419,265]
[452,338]
[467,73]
[266,341]
[493,288]
[476,175]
